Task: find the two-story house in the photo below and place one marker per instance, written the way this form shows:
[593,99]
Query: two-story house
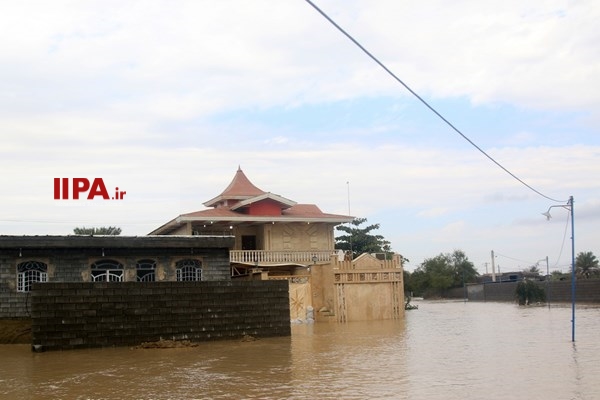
[270,231]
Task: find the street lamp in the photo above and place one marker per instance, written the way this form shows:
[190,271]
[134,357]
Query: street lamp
[463,282]
[569,206]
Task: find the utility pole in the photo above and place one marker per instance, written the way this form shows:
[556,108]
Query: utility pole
[548,282]
[493,268]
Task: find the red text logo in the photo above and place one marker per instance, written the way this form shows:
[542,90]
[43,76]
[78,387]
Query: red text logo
[81,186]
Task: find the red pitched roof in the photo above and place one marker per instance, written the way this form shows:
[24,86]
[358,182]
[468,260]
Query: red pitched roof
[311,211]
[240,188]
[212,212]
[299,211]
[304,210]
[240,193]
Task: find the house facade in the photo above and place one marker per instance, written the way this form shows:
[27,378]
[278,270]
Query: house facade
[26,260]
[276,238]
[271,232]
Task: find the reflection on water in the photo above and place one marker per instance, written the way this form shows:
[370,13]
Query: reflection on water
[443,350]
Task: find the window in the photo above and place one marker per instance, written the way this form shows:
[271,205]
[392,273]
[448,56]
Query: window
[189,270]
[145,270]
[107,271]
[29,272]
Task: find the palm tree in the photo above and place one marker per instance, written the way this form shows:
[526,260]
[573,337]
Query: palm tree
[586,265]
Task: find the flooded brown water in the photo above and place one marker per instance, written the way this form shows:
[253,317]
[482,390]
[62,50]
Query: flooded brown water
[443,350]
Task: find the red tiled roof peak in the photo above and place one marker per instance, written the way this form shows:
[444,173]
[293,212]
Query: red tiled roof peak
[241,186]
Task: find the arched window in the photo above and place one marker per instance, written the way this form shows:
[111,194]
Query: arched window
[145,270]
[29,272]
[189,270]
[107,271]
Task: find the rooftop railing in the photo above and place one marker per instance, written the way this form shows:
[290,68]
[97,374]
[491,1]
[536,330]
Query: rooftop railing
[266,257]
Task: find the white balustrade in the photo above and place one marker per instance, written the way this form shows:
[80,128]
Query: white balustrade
[280,257]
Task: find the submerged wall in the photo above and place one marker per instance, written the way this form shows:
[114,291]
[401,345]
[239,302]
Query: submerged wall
[367,288]
[104,314]
[69,259]
[587,291]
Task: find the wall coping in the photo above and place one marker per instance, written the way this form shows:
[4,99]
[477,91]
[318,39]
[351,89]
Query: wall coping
[83,241]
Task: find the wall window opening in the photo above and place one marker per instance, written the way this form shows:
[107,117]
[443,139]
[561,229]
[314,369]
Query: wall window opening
[107,271]
[145,271]
[30,272]
[189,270]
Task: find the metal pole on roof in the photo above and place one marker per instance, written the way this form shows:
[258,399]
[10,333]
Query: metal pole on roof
[349,223]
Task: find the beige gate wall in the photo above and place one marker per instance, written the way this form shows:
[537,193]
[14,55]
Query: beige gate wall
[362,289]
[365,288]
[300,298]
[300,294]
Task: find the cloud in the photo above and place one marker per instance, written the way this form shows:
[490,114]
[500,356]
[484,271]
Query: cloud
[498,51]
[234,55]
[432,212]
[453,229]
[166,101]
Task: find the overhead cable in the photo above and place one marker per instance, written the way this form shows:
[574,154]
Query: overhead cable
[425,102]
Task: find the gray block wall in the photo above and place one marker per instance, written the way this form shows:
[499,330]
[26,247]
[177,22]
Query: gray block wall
[104,314]
[586,291]
[12,303]
[73,265]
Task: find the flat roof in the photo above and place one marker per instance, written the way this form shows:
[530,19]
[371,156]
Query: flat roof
[97,241]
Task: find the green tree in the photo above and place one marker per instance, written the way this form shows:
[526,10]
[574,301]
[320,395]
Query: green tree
[527,292]
[559,276]
[463,269]
[442,272]
[534,269]
[586,265]
[110,230]
[418,282]
[361,240]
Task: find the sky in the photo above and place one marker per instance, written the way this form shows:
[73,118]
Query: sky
[165,99]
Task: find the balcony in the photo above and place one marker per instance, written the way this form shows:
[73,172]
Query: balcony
[266,257]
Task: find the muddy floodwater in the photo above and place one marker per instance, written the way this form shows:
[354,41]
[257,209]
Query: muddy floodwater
[443,350]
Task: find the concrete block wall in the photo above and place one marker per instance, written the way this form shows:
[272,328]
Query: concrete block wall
[586,291]
[12,303]
[73,265]
[104,314]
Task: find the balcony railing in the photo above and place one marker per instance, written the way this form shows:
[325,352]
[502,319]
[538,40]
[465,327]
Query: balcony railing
[266,257]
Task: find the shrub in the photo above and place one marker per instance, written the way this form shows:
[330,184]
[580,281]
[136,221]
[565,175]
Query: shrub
[528,292]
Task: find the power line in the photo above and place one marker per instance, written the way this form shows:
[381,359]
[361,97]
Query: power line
[512,258]
[425,102]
